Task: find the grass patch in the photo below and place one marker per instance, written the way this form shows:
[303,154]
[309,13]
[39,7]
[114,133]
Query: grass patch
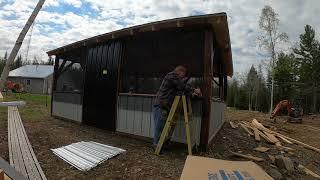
[37,107]
[232,108]
[38,99]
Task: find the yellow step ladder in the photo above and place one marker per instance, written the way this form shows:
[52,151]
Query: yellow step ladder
[171,121]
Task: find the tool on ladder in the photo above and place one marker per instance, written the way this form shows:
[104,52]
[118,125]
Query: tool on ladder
[171,121]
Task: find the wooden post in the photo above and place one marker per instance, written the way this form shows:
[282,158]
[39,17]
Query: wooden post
[206,88]
[54,80]
[1,174]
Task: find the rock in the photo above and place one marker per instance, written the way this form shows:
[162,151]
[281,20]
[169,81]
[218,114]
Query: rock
[275,174]
[272,158]
[284,163]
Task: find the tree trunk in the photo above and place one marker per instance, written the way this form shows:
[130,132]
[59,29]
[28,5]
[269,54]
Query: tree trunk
[249,108]
[256,103]
[314,98]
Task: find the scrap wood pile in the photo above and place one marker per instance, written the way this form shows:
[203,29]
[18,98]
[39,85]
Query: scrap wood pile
[259,132]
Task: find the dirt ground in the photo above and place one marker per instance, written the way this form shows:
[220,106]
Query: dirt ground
[139,162]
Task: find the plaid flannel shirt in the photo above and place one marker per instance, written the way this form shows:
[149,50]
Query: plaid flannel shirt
[170,86]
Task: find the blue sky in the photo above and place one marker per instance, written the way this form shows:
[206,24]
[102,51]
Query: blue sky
[61,22]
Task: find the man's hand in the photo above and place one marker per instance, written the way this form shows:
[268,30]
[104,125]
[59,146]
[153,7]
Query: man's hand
[197,92]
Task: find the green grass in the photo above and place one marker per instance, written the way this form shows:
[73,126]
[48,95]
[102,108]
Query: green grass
[37,107]
[29,98]
[232,109]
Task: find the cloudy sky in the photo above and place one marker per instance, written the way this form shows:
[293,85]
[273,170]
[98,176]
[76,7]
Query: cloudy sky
[61,22]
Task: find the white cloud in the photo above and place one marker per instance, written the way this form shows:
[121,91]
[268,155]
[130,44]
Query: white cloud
[75,3]
[54,29]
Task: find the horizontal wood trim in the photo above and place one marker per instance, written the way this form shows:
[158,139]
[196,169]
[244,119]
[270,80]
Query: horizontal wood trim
[135,94]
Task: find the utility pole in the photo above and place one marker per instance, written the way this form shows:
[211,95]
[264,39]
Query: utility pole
[18,43]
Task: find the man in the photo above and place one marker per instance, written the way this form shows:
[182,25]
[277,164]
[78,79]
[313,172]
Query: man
[172,83]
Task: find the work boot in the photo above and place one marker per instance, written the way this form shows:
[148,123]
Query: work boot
[166,144]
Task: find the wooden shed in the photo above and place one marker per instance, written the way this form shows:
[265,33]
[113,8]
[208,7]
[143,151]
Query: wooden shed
[110,80]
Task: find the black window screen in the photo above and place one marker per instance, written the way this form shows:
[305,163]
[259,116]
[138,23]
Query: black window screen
[71,79]
[149,57]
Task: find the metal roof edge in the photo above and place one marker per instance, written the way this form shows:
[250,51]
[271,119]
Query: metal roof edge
[83,42]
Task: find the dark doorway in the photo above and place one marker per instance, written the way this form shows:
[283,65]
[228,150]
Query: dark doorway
[101,84]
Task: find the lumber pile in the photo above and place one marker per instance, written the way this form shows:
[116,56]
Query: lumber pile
[259,131]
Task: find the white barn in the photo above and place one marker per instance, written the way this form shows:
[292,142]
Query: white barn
[35,79]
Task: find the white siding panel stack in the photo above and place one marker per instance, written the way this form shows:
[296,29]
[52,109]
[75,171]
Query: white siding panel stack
[86,155]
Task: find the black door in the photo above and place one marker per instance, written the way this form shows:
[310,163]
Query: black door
[101,81]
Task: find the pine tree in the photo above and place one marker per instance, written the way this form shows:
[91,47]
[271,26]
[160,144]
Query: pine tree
[17,63]
[308,56]
[252,81]
[3,61]
[285,77]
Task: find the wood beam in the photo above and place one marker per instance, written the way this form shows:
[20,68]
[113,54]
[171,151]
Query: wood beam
[206,88]
[61,66]
[54,81]
[66,68]
[55,72]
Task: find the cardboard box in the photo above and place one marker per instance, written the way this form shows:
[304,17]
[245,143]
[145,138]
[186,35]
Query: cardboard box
[198,168]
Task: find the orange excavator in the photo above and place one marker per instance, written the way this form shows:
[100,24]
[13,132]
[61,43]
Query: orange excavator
[295,112]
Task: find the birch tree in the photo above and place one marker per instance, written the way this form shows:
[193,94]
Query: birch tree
[270,38]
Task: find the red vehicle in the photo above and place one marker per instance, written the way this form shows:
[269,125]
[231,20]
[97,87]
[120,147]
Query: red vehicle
[294,112]
[14,87]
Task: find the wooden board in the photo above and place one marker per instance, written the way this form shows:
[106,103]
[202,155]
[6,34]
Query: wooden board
[256,134]
[285,140]
[261,127]
[247,156]
[27,157]
[32,153]
[21,153]
[246,129]
[16,151]
[232,125]
[273,139]
[264,137]
[308,171]
[206,87]
[2,174]
[286,148]
[261,149]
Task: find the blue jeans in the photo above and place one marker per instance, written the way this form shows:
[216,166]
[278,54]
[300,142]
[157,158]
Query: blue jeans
[159,124]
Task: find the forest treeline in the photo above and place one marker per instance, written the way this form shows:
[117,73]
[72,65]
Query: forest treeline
[19,61]
[296,78]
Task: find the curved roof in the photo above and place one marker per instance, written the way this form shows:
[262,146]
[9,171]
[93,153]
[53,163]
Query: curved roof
[218,22]
[32,71]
